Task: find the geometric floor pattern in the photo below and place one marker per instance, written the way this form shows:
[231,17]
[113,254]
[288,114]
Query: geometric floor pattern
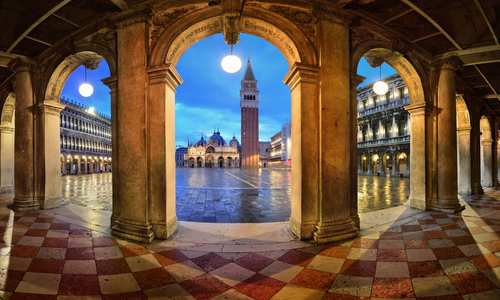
[429,256]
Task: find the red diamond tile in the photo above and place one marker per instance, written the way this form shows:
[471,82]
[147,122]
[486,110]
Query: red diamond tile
[314,279]
[36,232]
[254,262]
[79,285]
[392,288]
[60,226]
[12,280]
[174,255]
[44,219]
[133,250]
[55,242]
[112,266]
[365,243]
[333,296]
[425,269]
[426,222]
[164,261]
[336,251]
[79,233]
[103,242]
[391,255]
[410,228]
[23,296]
[260,287]
[126,296]
[415,244]
[359,268]
[493,246]
[24,251]
[471,282]
[79,253]
[153,278]
[204,287]
[295,257]
[391,236]
[210,261]
[486,261]
[435,234]
[447,253]
[41,265]
[463,240]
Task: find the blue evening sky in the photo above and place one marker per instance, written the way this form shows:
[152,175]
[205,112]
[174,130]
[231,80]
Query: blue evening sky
[208,98]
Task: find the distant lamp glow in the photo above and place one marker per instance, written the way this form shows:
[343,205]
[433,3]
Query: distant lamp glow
[380,87]
[86,89]
[91,110]
[231,63]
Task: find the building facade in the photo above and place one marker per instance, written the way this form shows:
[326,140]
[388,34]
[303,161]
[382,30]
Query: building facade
[85,140]
[213,153]
[383,131]
[281,146]
[249,103]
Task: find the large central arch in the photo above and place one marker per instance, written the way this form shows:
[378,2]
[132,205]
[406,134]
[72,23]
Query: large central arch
[301,57]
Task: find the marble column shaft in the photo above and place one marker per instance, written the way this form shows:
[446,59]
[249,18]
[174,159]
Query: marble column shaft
[464,161]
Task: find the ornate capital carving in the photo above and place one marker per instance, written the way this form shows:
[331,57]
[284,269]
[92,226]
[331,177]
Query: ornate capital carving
[300,73]
[166,74]
[21,65]
[111,82]
[452,63]
[50,106]
[417,108]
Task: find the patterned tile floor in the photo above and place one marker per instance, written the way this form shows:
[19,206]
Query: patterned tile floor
[427,256]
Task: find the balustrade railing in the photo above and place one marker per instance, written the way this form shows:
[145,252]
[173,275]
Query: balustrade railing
[379,108]
[385,142]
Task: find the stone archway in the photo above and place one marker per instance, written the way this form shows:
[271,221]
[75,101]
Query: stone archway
[321,168]
[463,147]
[412,74]
[486,153]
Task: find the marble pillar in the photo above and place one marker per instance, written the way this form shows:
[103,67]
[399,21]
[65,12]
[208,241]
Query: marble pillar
[131,133]
[336,134]
[6,158]
[475,150]
[112,84]
[446,146]
[418,159]
[355,158]
[49,187]
[24,154]
[163,80]
[303,83]
[486,162]
[464,160]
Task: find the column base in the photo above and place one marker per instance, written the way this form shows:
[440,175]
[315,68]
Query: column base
[163,231]
[51,202]
[418,203]
[142,233]
[335,231]
[356,220]
[303,231]
[454,209]
[25,204]
[477,189]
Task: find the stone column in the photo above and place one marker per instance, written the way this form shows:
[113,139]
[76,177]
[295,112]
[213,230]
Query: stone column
[464,160]
[336,136]
[475,150]
[6,158]
[447,189]
[47,167]
[394,172]
[163,80]
[486,162]
[303,83]
[131,133]
[418,159]
[356,158]
[24,155]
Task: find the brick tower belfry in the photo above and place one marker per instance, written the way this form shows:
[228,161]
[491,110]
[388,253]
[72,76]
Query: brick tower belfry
[249,103]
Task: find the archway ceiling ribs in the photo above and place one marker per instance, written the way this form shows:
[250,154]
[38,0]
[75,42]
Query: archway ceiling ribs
[438,27]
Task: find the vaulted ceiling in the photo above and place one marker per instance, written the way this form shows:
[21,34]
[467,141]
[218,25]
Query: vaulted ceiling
[469,29]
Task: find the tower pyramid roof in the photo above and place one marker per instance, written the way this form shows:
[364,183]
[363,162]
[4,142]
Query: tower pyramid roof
[249,72]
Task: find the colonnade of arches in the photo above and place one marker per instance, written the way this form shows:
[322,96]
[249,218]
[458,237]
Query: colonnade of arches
[212,162]
[75,165]
[322,81]
[393,163]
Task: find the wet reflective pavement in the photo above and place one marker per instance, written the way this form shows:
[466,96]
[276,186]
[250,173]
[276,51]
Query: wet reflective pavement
[234,195]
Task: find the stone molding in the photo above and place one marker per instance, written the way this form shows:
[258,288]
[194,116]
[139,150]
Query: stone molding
[50,107]
[166,74]
[111,83]
[301,73]
[451,63]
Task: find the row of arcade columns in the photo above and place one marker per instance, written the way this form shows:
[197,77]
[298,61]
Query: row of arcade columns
[324,181]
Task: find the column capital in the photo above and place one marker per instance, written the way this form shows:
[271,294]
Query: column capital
[51,107]
[111,82]
[417,108]
[166,74]
[452,63]
[299,73]
[131,18]
[356,79]
[21,64]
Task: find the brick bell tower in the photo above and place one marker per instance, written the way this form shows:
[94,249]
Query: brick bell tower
[249,103]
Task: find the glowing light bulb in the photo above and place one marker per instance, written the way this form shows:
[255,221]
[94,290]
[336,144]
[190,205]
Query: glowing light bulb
[380,87]
[86,89]
[231,63]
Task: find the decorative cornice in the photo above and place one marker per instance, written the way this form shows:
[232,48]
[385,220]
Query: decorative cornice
[301,73]
[166,74]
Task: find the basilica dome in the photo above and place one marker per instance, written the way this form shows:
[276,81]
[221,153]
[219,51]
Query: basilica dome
[234,142]
[216,139]
[201,142]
